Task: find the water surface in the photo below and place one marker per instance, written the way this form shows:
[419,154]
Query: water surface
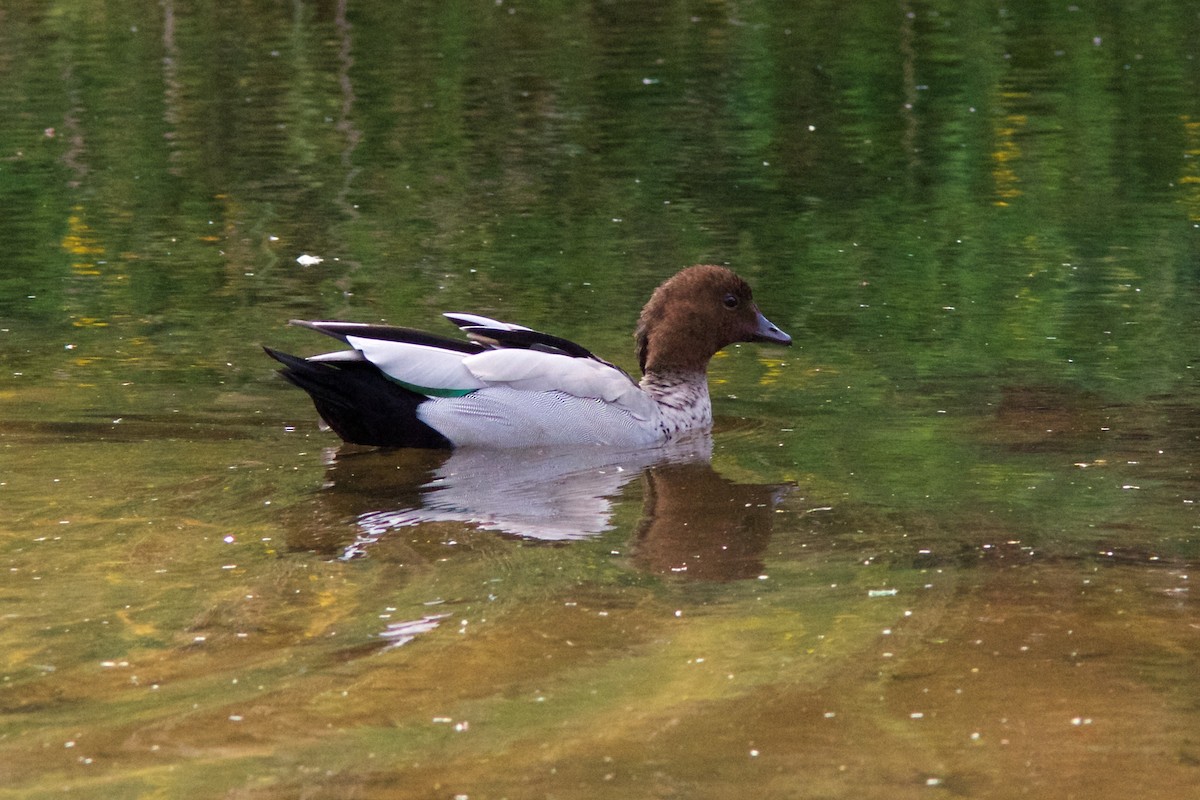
[943,546]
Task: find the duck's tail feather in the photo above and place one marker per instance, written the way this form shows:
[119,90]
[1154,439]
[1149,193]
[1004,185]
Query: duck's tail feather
[359,403]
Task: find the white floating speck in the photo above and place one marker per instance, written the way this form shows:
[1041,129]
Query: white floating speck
[401,633]
[305,260]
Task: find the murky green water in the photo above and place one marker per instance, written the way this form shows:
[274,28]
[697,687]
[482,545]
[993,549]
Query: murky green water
[943,547]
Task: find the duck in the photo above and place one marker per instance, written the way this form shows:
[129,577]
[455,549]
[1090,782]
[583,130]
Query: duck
[509,386]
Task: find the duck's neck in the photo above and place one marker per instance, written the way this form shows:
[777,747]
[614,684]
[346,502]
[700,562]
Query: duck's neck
[682,397]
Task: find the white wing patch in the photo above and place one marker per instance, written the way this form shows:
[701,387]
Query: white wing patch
[535,371]
[418,365]
[340,355]
[439,370]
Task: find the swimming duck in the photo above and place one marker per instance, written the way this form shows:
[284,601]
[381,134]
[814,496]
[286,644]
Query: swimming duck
[511,386]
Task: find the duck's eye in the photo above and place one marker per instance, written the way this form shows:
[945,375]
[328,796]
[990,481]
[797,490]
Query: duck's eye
[731,301]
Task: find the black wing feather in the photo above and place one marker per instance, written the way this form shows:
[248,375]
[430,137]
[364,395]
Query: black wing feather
[531,340]
[388,333]
[360,403]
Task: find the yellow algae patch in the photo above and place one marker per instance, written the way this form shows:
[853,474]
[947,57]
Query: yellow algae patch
[136,628]
[82,243]
[1004,156]
[88,322]
[774,368]
[1190,179]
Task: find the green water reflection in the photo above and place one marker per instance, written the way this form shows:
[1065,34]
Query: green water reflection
[944,546]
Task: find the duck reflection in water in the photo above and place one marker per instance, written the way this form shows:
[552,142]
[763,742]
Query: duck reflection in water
[695,523]
[701,525]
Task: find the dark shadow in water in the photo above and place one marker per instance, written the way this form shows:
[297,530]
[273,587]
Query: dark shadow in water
[695,523]
[126,428]
[1047,419]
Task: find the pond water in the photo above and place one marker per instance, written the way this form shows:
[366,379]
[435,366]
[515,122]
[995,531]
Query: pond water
[943,546]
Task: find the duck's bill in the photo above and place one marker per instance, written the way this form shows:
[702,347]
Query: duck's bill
[768,331]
